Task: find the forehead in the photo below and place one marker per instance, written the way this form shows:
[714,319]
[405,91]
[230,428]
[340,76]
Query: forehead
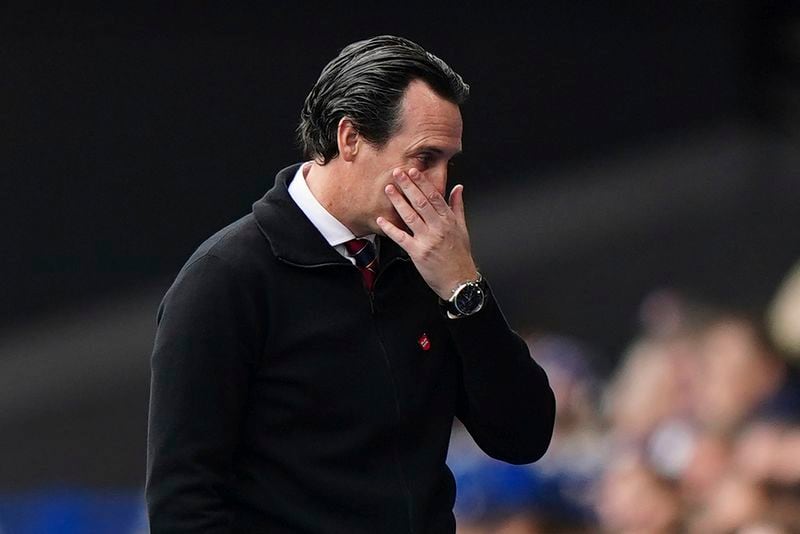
[428,118]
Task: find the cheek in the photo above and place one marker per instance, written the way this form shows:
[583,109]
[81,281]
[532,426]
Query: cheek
[381,205]
[389,211]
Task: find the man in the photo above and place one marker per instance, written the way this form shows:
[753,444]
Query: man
[305,380]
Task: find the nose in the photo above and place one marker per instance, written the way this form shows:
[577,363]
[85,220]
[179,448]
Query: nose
[438,177]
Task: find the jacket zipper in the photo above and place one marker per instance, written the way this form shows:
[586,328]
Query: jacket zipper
[400,419]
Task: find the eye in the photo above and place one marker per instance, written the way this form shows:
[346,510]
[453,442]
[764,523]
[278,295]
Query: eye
[426,158]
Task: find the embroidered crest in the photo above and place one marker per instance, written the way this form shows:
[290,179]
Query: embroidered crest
[424,342]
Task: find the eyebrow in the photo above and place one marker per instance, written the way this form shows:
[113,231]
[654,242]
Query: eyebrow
[434,150]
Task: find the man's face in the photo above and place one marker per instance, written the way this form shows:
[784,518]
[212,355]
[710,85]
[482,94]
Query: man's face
[429,137]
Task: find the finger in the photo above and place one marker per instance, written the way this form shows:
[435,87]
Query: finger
[409,215]
[394,233]
[457,203]
[416,198]
[434,197]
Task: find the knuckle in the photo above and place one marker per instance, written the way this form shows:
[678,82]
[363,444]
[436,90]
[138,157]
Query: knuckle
[410,218]
[421,203]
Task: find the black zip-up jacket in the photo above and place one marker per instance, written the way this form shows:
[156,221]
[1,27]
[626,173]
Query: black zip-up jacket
[285,398]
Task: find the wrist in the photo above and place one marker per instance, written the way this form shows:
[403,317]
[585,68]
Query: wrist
[472,275]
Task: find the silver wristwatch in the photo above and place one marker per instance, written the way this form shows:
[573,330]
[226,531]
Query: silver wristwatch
[467,299]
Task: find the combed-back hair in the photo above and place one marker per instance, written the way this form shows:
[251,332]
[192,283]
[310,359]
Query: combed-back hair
[366,83]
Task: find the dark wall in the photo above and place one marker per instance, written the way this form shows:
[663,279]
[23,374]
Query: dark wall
[129,136]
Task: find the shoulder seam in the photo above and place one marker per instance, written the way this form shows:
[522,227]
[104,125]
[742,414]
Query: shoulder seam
[206,255]
[210,251]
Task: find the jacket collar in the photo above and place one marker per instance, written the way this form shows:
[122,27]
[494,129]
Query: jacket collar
[293,238]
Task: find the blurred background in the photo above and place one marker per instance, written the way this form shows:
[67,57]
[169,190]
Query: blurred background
[632,182]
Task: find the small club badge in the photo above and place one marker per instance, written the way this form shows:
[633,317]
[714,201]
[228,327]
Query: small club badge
[424,342]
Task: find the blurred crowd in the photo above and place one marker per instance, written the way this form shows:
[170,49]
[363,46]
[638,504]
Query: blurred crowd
[696,430]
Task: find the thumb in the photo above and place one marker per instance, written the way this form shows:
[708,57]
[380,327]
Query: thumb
[456,202]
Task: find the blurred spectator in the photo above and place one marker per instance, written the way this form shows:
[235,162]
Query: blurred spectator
[734,503]
[634,499]
[646,391]
[757,448]
[740,373]
[784,315]
[707,464]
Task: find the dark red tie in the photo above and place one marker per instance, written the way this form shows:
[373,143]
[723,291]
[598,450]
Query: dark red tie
[363,251]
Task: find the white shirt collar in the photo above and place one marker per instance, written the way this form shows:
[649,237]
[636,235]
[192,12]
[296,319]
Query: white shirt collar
[334,232]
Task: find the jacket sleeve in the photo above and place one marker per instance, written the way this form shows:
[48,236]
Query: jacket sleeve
[506,402]
[201,366]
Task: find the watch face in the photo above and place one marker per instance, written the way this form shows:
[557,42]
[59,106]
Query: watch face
[469,300]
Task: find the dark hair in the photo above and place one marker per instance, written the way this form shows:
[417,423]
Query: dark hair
[365,83]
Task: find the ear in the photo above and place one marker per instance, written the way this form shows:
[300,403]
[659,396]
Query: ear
[347,139]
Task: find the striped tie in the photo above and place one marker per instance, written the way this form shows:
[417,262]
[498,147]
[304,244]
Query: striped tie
[363,251]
